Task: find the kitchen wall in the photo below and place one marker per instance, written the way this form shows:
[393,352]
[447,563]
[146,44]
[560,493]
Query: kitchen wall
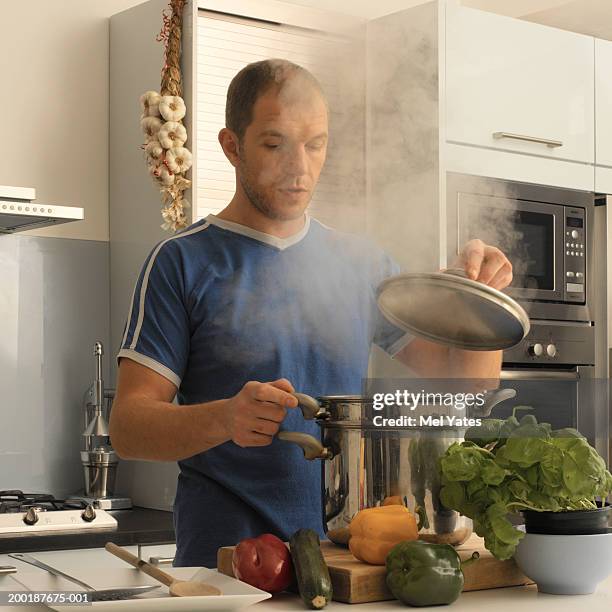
[53,307]
[55,106]
[54,282]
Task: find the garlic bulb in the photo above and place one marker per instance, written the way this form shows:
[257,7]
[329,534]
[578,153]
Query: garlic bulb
[172,134]
[154,170]
[161,174]
[172,108]
[154,151]
[165,176]
[150,126]
[178,159]
[149,103]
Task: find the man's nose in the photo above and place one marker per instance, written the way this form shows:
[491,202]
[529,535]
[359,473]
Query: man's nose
[296,162]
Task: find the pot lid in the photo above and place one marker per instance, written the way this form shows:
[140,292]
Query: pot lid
[451,309]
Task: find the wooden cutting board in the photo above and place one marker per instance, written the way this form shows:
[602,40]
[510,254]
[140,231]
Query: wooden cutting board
[357,582]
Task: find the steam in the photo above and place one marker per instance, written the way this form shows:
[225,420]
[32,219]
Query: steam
[406,183]
[382,177]
[494,222]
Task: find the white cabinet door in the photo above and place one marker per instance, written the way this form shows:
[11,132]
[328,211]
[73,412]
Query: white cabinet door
[507,76]
[603,102]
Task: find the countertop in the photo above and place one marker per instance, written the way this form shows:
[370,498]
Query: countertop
[136,526]
[493,600]
[508,599]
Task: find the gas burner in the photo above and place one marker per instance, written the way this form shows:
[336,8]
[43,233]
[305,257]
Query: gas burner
[18,501]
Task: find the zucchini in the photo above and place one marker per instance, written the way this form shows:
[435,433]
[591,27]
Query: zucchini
[311,571]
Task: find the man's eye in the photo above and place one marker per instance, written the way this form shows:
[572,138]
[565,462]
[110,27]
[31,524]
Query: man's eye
[271,145]
[315,146]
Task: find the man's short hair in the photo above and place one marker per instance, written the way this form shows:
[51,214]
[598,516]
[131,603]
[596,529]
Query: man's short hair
[253,81]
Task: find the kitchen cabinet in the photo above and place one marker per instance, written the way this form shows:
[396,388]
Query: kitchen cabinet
[603,103]
[519,86]
[603,116]
[481,94]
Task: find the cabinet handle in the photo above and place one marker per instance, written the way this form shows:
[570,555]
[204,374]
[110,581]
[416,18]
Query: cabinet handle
[547,141]
[160,560]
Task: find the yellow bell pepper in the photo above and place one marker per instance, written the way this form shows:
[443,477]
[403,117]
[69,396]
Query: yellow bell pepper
[394,500]
[375,531]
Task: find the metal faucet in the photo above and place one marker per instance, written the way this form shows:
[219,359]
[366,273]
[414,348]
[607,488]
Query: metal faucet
[97,400]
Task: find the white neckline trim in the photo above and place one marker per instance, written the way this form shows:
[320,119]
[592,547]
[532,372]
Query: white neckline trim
[280,243]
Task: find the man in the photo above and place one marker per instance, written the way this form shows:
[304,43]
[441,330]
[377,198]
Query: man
[241,309]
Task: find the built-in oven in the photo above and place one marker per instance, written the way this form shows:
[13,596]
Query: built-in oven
[544,231]
[564,397]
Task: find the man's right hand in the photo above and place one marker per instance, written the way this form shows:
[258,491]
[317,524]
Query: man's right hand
[253,416]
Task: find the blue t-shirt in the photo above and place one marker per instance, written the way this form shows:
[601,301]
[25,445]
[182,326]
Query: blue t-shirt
[220,304]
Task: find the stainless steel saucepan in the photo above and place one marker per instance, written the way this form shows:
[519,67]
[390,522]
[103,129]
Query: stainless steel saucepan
[365,466]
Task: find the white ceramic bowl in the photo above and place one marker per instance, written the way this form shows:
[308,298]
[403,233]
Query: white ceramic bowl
[565,564]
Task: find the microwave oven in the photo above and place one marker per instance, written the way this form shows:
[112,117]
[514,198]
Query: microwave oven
[545,232]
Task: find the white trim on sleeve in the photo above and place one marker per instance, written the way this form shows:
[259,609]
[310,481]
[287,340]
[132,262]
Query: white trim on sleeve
[145,281]
[152,364]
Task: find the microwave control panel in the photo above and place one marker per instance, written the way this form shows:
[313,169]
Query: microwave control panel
[575,255]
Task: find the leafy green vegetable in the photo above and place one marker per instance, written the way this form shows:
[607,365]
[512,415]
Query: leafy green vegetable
[508,466]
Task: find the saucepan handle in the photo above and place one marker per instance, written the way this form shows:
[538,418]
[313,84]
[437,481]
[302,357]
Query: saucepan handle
[310,407]
[313,449]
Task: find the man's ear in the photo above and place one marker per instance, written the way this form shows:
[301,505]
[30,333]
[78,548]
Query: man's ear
[231,146]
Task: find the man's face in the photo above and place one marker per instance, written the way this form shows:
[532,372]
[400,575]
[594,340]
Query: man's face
[283,150]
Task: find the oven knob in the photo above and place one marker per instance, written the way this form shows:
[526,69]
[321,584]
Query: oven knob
[574,234]
[551,350]
[535,350]
[31,517]
[89,514]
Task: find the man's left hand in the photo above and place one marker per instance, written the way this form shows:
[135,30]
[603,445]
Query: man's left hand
[486,264]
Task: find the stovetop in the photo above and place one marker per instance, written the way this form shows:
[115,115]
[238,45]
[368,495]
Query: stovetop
[24,513]
[18,501]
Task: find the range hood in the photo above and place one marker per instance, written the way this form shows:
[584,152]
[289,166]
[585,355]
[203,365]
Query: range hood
[19,212]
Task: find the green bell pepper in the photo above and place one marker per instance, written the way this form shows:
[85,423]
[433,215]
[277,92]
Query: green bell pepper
[423,574]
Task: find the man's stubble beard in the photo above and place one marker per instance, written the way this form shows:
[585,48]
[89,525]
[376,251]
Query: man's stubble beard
[258,199]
